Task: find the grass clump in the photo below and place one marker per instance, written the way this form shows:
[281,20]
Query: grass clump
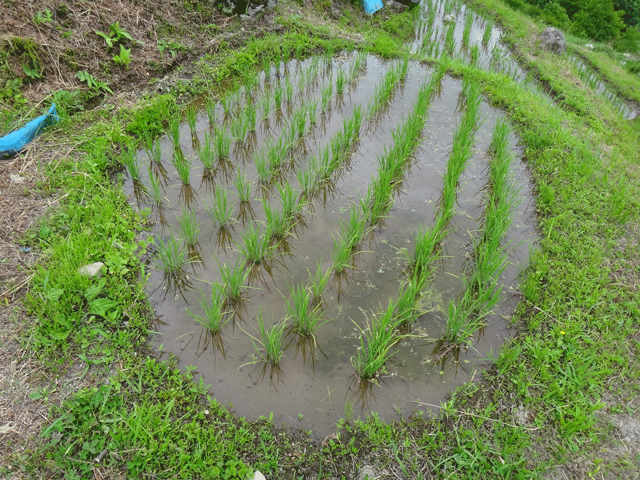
[214,315]
[271,341]
[303,314]
[221,212]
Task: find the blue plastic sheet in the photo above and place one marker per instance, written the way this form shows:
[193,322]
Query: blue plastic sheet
[14,142]
[372,6]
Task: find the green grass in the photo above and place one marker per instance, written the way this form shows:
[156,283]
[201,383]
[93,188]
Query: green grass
[243,185]
[172,255]
[183,167]
[221,210]
[269,346]
[255,246]
[303,314]
[234,278]
[189,226]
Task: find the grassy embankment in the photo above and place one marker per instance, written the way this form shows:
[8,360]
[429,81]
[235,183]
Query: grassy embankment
[569,372]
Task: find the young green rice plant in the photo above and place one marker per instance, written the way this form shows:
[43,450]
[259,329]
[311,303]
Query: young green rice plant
[221,212]
[265,106]
[278,94]
[192,115]
[222,141]
[172,255]
[270,341]
[234,278]
[321,165]
[475,54]
[486,36]
[342,254]
[130,160]
[383,91]
[183,167]
[341,80]
[174,130]
[468,23]
[312,108]
[251,117]
[357,65]
[190,226]
[264,169]
[250,79]
[299,120]
[243,185]
[319,281]
[210,108]
[255,246]
[302,314]
[327,93]
[449,39]
[207,153]
[353,230]
[153,149]
[291,207]
[155,190]
[227,101]
[377,341]
[266,66]
[239,129]
[277,225]
[308,182]
[214,315]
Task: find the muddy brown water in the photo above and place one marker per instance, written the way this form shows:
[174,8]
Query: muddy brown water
[314,389]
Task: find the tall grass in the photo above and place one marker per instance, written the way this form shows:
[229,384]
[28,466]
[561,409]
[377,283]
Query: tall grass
[214,315]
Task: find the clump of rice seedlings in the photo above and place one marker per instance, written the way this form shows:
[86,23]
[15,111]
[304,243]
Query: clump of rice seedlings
[299,120]
[291,207]
[174,130]
[342,254]
[214,314]
[277,225]
[243,185]
[312,108]
[210,108]
[265,106]
[486,36]
[308,181]
[431,17]
[129,159]
[192,116]
[189,226]
[278,94]
[250,79]
[353,230]
[341,80]
[327,92]
[449,39]
[153,149]
[468,23]
[234,278]
[183,167]
[357,65]
[255,246]
[239,129]
[266,66]
[288,91]
[250,115]
[263,168]
[303,315]
[226,101]
[321,165]
[155,190]
[221,212]
[222,141]
[172,255]
[376,343]
[271,341]
[475,54]
[206,152]
[319,281]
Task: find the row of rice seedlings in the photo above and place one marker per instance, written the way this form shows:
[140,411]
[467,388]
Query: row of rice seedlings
[384,90]
[130,160]
[351,234]
[152,149]
[221,210]
[356,66]
[463,140]
[449,39]
[377,341]
[192,114]
[486,35]
[468,23]
[215,316]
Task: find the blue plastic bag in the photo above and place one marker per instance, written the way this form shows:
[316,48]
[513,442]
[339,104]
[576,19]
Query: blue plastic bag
[372,6]
[12,143]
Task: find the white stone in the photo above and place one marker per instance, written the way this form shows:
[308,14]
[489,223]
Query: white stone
[589,46]
[258,476]
[16,178]
[447,18]
[91,270]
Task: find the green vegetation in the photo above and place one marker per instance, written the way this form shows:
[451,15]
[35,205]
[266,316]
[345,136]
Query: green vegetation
[214,315]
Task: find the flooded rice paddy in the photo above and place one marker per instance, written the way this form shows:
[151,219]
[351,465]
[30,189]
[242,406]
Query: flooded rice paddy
[271,180]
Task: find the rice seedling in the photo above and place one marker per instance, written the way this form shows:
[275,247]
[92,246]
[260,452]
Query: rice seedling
[155,189]
[130,160]
[305,317]
[291,207]
[172,255]
[210,109]
[341,80]
[312,109]
[486,35]
[327,92]
[383,91]
[243,185]
[174,130]
[214,315]
[319,281]
[226,101]
[449,39]
[206,152]
[342,254]
[353,230]
[266,66]
[250,79]
[308,182]
[221,212]
[255,246]
[278,94]
[189,226]
[183,167]
[475,54]
[250,115]
[265,106]
[288,92]
[239,129]
[299,120]
[153,149]
[222,142]
[270,341]
[357,65]
[192,115]
[376,343]
[263,168]
[277,225]
[468,23]
[234,278]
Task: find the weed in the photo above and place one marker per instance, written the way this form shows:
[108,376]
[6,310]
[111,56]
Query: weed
[123,58]
[115,36]
[92,82]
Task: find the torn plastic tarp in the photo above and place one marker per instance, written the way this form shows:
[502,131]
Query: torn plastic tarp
[372,6]
[16,141]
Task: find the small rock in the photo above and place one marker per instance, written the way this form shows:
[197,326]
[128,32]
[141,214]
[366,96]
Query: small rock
[258,476]
[17,178]
[589,46]
[91,270]
[447,18]
[396,6]
[367,473]
[552,39]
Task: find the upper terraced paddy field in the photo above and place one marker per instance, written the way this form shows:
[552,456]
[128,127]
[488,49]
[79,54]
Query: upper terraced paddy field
[340,233]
